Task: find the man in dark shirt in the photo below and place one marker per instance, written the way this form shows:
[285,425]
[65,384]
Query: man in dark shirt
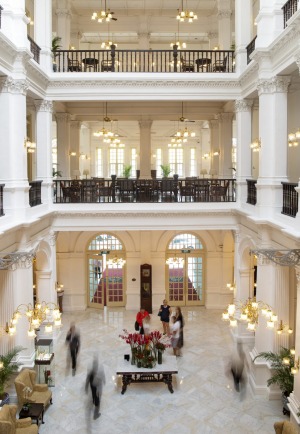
[73,339]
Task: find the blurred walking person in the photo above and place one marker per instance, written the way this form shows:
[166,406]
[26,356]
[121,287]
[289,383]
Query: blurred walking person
[73,339]
[96,380]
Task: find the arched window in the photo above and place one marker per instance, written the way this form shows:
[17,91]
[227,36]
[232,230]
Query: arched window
[105,263]
[185,270]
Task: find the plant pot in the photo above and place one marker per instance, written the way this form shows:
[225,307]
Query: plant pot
[159,357]
[139,363]
[285,401]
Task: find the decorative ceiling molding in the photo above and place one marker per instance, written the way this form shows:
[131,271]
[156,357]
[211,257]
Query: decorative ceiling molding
[285,258]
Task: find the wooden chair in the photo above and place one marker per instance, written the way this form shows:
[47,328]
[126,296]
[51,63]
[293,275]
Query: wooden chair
[168,190]
[218,192]
[106,65]
[187,66]
[186,189]
[220,65]
[127,190]
[74,65]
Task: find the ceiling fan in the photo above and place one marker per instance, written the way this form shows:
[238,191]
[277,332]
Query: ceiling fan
[182,117]
[107,118]
[104,15]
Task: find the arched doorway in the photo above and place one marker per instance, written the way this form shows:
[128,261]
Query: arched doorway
[185,271]
[105,265]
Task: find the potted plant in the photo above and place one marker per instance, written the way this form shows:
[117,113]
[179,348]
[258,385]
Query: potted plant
[127,171]
[7,369]
[166,170]
[56,173]
[281,364]
[56,45]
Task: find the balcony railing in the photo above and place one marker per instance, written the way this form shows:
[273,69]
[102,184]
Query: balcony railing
[251,191]
[250,48]
[289,9]
[290,199]
[114,190]
[145,61]
[35,196]
[35,49]
[1,200]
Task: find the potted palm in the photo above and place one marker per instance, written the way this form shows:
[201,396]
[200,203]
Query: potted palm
[56,45]
[7,369]
[127,171]
[166,170]
[281,364]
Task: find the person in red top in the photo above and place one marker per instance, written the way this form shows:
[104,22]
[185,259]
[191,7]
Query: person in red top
[139,318]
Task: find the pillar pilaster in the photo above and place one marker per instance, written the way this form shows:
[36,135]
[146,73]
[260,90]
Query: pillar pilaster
[63,20]
[43,32]
[74,145]
[145,148]
[214,146]
[225,140]
[243,32]
[269,22]
[224,24]
[63,143]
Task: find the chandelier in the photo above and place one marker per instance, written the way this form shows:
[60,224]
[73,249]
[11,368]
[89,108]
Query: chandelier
[175,261]
[36,315]
[183,15]
[104,132]
[103,15]
[255,145]
[116,262]
[179,45]
[185,133]
[176,142]
[294,138]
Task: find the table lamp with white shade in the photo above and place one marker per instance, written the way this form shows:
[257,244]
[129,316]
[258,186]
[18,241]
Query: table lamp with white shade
[203,172]
[76,173]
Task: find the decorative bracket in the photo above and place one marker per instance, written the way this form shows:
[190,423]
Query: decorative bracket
[285,258]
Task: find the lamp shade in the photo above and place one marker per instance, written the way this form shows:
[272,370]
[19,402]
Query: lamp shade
[76,173]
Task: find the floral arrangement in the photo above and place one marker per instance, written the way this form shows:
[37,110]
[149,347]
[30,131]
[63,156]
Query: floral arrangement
[144,348]
[27,392]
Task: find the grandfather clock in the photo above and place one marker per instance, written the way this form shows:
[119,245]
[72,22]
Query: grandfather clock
[146,287]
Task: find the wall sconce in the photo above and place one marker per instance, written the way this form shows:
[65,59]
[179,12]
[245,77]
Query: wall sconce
[30,146]
[294,138]
[84,156]
[72,154]
[205,156]
[284,329]
[230,286]
[255,145]
[216,153]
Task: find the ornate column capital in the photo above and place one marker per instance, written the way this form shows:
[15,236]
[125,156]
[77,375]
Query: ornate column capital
[53,237]
[43,105]
[213,124]
[225,117]
[10,85]
[273,85]
[212,35]
[62,117]
[237,236]
[298,61]
[14,260]
[63,13]
[145,123]
[225,13]
[75,124]
[243,105]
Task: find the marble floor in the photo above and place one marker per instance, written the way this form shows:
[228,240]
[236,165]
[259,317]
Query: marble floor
[204,400]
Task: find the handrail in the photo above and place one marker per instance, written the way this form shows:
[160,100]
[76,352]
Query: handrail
[251,191]
[250,48]
[289,199]
[289,9]
[35,193]
[169,61]
[35,49]
[1,199]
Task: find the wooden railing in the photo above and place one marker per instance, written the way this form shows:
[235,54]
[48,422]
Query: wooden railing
[35,49]
[145,61]
[250,48]
[251,191]
[289,8]
[99,190]
[290,199]
[35,193]
[1,200]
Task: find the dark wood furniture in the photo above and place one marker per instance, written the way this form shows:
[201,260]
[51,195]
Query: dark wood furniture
[106,65]
[220,65]
[186,65]
[74,65]
[35,411]
[90,64]
[146,287]
[159,374]
[203,64]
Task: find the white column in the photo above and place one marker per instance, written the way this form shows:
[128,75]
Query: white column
[214,146]
[145,148]
[243,128]
[224,24]
[269,22]
[13,154]
[294,398]
[43,31]
[14,22]
[74,145]
[282,305]
[44,147]
[273,153]
[225,139]
[213,40]
[243,32]
[63,16]
[63,143]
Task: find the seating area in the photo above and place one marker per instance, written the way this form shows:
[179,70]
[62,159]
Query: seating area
[99,190]
[9,424]
[285,427]
[37,393]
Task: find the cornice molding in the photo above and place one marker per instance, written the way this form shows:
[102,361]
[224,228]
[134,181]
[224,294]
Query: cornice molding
[137,214]
[146,83]
[243,105]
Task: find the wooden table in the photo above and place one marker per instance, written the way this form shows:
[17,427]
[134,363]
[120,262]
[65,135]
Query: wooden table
[203,62]
[35,411]
[160,373]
